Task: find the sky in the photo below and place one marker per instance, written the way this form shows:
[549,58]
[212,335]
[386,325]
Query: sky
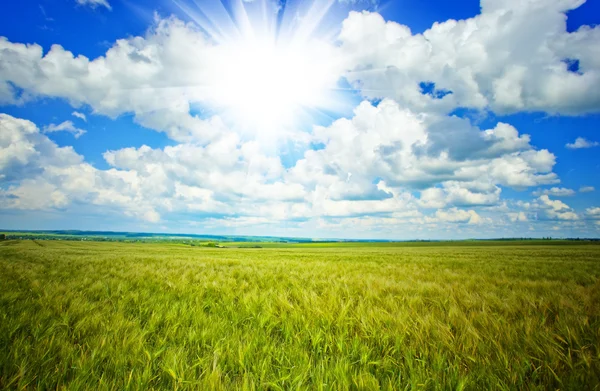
[358,119]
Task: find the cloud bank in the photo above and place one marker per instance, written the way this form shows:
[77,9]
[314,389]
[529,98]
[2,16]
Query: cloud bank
[404,161]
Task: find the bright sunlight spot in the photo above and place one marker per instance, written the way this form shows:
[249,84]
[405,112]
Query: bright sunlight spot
[267,85]
[270,71]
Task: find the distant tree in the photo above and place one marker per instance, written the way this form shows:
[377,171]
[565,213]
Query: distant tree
[2,236]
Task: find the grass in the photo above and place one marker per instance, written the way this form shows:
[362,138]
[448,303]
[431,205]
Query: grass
[122,316]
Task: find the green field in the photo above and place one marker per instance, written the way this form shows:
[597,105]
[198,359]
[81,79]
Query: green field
[116,316]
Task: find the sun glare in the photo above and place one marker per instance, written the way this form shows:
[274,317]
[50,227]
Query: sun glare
[266,74]
[268,86]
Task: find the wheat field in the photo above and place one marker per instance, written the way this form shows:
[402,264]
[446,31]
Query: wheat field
[160,316]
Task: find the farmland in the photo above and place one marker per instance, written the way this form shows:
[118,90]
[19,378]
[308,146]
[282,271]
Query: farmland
[108,315]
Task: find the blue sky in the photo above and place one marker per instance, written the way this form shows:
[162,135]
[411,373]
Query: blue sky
[349,119]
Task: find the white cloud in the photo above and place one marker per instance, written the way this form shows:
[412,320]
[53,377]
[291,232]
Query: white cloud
[556,205]
[593,212]
[41,175]
[79,115]
[154,77]
[228,176]
[159,78]
[461,194]
[518,217]
[553,215]
[95,3]
[555,191]
[404,163]
[510,58]
[231,182]
[581,142]
[66,126]
[24,152]
[406,150]
[586,189]
[555,209]
[232,177]
[455,215]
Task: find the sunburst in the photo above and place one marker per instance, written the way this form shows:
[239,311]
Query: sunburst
[273,67]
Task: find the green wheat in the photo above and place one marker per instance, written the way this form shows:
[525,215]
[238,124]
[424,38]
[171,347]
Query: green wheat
[121,316]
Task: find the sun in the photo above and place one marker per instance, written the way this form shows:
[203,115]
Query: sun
[269,74]
[269,85]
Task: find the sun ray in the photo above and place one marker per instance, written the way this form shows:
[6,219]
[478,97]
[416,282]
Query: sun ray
[201,20]
[312,19]
[271,64]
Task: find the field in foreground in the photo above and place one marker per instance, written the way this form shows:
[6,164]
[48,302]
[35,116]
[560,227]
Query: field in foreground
[86,315]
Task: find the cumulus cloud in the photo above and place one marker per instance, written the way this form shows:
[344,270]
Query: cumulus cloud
[467,58]
[226,177]
[460,194]
[155,77]
[518,217]
[66,126]
[95,3]
[38,174]
[581,142]
[554,209]
[408,151]
[159,78]
[403,162]
[24,152]
[455,215]
[515,56]
[234,178]
[556,205]
[593,212]
[555,191]
[586,189]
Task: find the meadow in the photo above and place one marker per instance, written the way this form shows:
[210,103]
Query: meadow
[78,315]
